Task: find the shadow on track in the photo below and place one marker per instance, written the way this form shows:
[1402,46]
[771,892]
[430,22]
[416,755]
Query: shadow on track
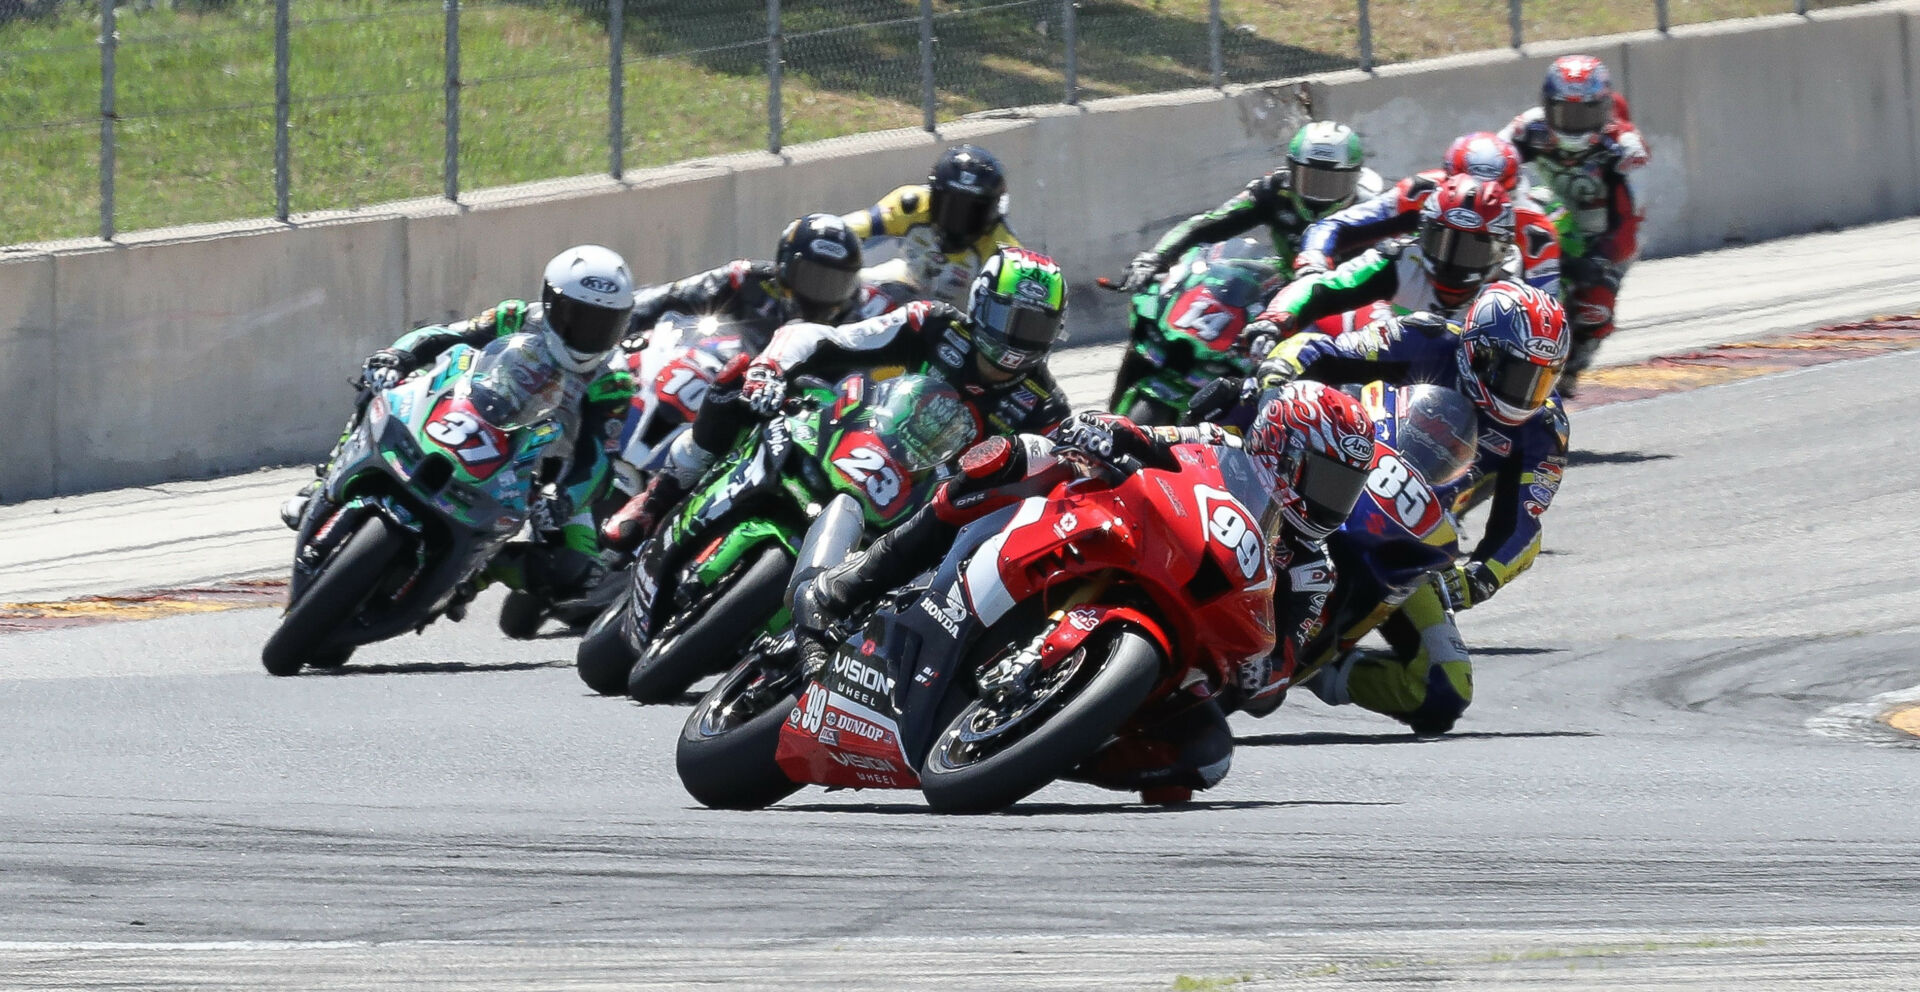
[1576,458]
[1071,809]
[1327,737]
[1514,650]
[435,667]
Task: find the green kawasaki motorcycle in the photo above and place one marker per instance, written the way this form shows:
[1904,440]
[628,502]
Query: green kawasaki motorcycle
[1185,327]
[714,577]
[436,476]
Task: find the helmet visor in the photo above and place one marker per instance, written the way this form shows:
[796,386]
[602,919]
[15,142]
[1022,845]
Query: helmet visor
[820,289]
[1514,380]
[1328,488]
[1014,337]
[584,327]
[1460,251]
[1322,184]
[1571,117]
[963,217]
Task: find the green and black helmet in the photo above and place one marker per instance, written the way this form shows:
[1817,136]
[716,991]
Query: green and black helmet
[1323,164]
[1018,309]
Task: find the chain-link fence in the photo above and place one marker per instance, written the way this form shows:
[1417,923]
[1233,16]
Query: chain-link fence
[147,113]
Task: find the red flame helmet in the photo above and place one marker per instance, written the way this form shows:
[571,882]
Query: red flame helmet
[1316,443]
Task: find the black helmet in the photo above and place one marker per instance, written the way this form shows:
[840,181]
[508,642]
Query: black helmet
[967,191]
[819,265]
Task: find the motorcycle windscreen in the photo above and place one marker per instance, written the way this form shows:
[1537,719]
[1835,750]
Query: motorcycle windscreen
[922,419]
[514,383]
[1435,431]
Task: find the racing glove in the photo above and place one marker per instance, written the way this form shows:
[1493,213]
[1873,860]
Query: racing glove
[764,388]
[1266,331]
[384,369]
[1104,435]
[1274,373]
[1467,586]
[1141,271]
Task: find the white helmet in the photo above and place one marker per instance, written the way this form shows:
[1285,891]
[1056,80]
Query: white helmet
[588,298]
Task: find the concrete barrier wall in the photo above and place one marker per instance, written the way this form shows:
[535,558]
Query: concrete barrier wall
[194,352]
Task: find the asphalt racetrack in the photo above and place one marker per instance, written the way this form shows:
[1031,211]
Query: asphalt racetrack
[1670,777]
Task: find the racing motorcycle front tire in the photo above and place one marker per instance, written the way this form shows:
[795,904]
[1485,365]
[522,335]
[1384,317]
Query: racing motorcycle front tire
[332,598]
[1099,705]
[604,658]
[753,593]
[734,768]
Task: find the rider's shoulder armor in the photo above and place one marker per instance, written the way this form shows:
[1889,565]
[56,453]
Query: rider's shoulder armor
[899,211]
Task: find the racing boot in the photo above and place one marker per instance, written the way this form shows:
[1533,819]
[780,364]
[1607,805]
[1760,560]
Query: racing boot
[1425,683]
[909,549]
[294,509]
[632,524]
[893,558]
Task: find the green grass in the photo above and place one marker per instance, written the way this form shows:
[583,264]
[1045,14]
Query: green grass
[195,84]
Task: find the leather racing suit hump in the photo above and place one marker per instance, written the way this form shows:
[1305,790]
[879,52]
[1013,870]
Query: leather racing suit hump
[906,216]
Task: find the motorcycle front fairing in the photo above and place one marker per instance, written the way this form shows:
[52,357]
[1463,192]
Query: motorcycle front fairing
[405,462]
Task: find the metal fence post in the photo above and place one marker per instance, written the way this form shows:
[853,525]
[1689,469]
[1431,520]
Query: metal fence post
[773,76]
[1366,38]
[926,65]
[452,167]
[1513,22]
[1800,7]
[1215,61]
[282,110]
[617,87]
[109,41]
[1660,15]
[1070,14]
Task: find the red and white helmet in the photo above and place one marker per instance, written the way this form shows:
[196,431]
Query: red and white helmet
[1466,226]
[1316,443]
[1577,99]
[1512,348]
[1484,155]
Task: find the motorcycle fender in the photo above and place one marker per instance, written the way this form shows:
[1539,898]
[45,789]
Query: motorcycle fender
[723,555]
[1079,623]
[832,739]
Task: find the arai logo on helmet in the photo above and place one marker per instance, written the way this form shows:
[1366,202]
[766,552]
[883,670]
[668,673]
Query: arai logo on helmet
[1461,217]
[1540,346]
[1357,448]
[599,284]
[1033,289]
[829,249]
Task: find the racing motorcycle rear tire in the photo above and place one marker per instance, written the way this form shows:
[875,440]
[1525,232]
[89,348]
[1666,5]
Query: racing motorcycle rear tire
[604,659]
[753,592]
[734,769]
[332,598]
[1152,413]
[1068,736]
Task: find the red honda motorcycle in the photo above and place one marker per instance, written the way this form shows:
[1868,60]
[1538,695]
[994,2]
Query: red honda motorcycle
[1050,627]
